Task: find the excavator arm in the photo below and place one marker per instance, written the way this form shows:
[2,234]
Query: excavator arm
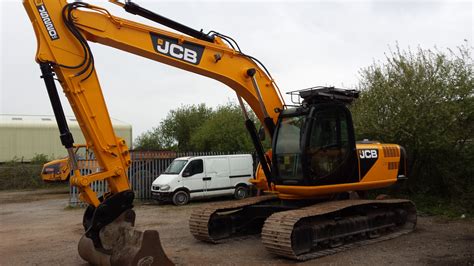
[63,31]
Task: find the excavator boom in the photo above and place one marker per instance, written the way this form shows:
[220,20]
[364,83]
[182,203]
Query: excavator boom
[63,31]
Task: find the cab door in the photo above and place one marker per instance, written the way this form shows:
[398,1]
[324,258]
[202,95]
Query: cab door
[330,153]
[193,178]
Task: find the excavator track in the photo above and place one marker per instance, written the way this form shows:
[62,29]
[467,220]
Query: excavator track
[327,228]
[204,220]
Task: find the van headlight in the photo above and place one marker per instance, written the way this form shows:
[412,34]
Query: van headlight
[164,188]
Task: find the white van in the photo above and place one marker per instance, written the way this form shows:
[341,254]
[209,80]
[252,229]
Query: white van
[204,176]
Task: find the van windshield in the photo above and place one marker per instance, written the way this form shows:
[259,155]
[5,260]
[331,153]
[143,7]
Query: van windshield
[175,167]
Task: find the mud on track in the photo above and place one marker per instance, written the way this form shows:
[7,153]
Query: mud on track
[37,228]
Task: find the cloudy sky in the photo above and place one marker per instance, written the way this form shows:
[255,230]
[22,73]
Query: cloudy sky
[303,44]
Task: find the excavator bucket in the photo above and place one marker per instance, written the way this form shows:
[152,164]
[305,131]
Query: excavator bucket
[123,245]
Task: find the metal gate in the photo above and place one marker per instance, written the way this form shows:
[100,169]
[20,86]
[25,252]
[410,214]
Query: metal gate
[145,167]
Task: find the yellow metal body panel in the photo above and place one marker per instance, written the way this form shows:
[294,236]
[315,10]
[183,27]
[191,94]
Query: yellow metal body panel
[56,170]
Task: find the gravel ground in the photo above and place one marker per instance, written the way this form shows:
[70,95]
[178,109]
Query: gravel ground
[37,228]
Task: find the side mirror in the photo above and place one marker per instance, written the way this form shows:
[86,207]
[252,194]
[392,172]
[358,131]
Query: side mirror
[186,174]
[261,134]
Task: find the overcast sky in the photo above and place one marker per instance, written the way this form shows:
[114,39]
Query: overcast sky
[303,44]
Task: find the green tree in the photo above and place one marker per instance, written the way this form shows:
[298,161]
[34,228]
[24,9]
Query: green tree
[200,128]
[424,100]
[224,131]
[153,140]
[174,132]
[179,124]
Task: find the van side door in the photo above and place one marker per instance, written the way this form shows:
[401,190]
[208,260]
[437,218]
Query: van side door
[193,176]
[241,170]
[217,169]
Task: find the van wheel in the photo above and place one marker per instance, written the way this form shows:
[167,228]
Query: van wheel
[180,198]
[241,192]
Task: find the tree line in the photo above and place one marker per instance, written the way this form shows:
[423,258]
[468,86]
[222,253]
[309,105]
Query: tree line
[199,128]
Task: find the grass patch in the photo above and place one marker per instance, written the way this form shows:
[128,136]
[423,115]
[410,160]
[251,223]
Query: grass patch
[450,208]
[429,204]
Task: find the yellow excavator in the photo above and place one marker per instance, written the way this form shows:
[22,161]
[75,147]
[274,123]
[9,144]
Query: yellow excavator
[59,170]
[310,178]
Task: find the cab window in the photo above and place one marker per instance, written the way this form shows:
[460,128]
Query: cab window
[329,141]
[194,167]
[175,167]
[287,150]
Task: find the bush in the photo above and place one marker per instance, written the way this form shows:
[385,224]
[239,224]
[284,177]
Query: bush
[16,175]
[424,101]
[40,159]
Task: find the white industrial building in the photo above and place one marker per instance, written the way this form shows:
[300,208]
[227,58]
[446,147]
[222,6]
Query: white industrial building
[24,136]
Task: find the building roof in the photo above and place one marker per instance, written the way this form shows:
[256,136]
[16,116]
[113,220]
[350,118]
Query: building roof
[14,120]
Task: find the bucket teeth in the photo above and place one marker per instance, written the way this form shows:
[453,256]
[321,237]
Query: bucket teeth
[123,245]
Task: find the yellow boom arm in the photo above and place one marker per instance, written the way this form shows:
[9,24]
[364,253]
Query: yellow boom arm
[62,31]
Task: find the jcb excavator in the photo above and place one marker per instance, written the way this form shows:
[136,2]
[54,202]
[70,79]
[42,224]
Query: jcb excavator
[305,211]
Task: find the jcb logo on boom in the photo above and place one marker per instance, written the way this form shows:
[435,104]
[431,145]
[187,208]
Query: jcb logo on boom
[368,154]
[187,52]
[48,23]
[177,51]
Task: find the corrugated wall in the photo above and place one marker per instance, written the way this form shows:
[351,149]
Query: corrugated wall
[23,139]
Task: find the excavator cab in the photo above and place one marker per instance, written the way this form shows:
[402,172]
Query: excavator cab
[314,143]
